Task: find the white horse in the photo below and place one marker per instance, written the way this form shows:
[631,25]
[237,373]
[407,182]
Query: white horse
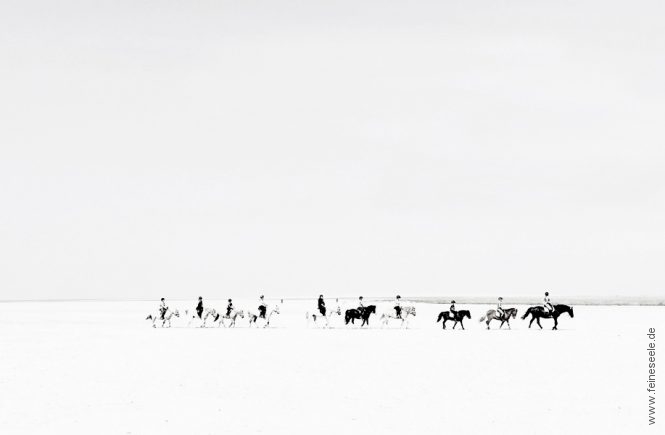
[407,311]
[232,317]
[166,319]
[316,316]
[208,313]
[254,318]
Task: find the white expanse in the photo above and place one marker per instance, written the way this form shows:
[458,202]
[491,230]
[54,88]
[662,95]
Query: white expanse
[98,367]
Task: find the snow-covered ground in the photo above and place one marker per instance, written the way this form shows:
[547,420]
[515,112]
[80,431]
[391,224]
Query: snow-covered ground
[99,368]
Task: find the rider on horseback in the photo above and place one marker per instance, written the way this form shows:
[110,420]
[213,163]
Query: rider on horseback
[262,308]
[199,307]
[398,306]
[547,304]
[322,305]
[499,309]
[162,309]
[453,311]
[361,305]
[229,308]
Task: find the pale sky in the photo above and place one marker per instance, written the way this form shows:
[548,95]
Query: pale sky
[226,148]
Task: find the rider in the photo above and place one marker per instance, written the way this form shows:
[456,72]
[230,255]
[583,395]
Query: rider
[199,307]
[361,305]
[262,307]
[499,309]
[162,308]
[322,305]
[547,304]
[453,311]
[398,306]
[229,308]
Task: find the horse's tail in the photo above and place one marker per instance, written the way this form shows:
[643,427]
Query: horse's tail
[526,313]
[481,318]
[440,317]
[149,317]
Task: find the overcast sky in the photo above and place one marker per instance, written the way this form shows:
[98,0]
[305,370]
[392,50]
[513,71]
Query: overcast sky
[222,148]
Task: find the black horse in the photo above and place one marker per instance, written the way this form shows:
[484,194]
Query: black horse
[360,313]
[539,312]
[458,318]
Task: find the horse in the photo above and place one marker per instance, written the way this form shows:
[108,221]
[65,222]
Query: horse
[406,312]
[316,315]
[253,318]
[233,316]
[359,313]
[492,315]
[207,313]
[539,311]
[167,317]
[458,318]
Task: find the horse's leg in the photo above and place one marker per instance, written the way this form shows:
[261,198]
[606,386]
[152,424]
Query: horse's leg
[533,317]
[461,322]
[538,322]
[556,322]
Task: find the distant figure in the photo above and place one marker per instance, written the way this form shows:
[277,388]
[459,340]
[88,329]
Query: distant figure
[453,311]
[398,306]
[547,303]
[262,307]
[499,308]
[199,307]
[361,305]
[229,308]
[162,309]
[322,306]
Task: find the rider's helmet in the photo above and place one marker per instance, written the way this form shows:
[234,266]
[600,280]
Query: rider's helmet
[200,298]
[360,297]
[399,297]
[547,293]
[229,300]
[162,298]
[320,296]
[453,302]
[261,296]
[500,298]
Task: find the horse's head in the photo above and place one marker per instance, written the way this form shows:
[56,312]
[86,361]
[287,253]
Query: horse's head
[410,310]
[567,309]
[526,313]
[177,314]
[465,313]
[338,311]
[276,309]
[240,313]
[512,312]
[371,309]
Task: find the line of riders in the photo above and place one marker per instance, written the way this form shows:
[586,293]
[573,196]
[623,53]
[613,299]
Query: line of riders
[500,314]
